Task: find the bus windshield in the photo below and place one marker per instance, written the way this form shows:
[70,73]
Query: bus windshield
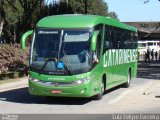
[59,51]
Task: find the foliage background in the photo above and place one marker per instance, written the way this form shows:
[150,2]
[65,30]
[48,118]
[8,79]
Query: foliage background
[18,16]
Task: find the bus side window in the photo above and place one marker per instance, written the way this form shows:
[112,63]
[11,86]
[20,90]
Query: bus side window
[121,39]
[118,39]
[117,42]
[107,37]
[132,40]
[99,39]
[115,39]
[125,40]
[128,40]
[135,40]
[112,38]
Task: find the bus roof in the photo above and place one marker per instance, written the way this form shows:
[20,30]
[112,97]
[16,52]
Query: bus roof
[80,21]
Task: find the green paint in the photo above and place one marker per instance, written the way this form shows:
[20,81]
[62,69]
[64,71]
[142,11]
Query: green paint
[114,63]
[24,37]
[94,40]
[80,21]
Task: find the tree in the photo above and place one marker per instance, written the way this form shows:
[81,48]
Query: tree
[97,7]
[13,12]
[1,17]
[94,7]
[20,15]
[113,15]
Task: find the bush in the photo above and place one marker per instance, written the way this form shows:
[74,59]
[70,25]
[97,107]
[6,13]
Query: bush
[13,59]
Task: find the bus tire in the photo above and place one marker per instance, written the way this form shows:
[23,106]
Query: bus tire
[127,84]
[49,97]
[100,95]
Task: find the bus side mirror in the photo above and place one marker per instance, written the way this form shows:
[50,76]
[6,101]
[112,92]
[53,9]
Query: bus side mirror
[94,41]
[24,38]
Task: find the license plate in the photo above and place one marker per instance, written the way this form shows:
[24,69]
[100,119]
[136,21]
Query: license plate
[56,91]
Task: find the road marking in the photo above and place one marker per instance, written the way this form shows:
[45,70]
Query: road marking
[120,97]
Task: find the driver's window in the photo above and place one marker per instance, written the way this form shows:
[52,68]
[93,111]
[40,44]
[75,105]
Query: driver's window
[107,39]
[99,39]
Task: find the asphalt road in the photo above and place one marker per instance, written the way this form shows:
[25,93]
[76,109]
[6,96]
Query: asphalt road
[140,97]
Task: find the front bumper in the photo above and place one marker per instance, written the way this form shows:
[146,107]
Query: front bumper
[83,90]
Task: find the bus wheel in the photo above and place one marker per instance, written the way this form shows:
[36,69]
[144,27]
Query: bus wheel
[126,85]
[49,97]
[100,95]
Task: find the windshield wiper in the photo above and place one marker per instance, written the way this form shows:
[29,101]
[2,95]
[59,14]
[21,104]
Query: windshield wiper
[46,62]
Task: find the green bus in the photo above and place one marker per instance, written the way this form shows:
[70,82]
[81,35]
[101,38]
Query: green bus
[80,55]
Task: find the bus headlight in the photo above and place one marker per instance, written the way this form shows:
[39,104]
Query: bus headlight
[33,79]
[83,81]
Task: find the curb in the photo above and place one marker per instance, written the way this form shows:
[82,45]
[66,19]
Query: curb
[23,82]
